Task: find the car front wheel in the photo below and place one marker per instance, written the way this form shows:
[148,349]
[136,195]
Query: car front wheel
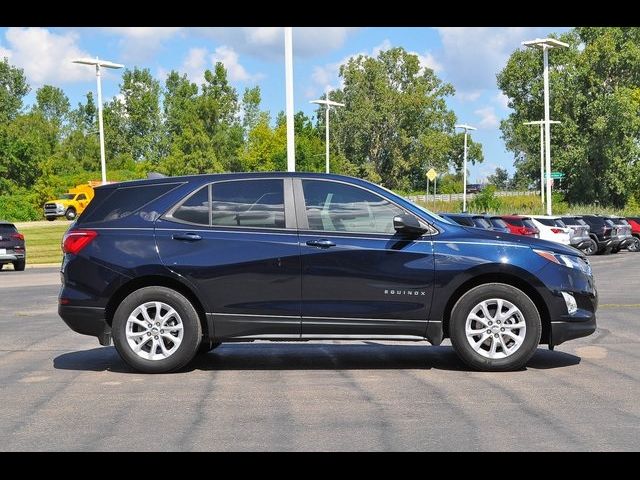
[495,327]
[156,330]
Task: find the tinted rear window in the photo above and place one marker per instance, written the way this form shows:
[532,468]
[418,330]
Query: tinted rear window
[498,222]
[559,223]
[529,223]
[515,221]
[7,228]
[481,222]
[549,222]
[598,221]
[462,221]
[122,201]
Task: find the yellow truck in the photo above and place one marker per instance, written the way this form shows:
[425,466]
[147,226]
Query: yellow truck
[72,203]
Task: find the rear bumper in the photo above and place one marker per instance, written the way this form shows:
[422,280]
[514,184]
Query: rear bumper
[87,321]
[625,242]
[11,257]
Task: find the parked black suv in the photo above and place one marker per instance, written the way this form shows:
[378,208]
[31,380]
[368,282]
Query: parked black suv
[12,249]
[604,232]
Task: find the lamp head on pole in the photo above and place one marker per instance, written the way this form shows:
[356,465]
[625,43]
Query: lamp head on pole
[545,42]
[97,62]
[327,103]
[466,127]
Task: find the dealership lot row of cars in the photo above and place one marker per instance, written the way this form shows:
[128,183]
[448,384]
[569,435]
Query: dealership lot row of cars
[593,234]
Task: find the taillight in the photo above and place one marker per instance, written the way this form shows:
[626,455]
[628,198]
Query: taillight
[75,240]
[529,231]
[17,236]
[556,230]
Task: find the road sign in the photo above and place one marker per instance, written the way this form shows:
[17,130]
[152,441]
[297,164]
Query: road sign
[431,174]
[557,175]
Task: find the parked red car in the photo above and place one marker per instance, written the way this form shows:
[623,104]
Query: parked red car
[635,231]
[521,225]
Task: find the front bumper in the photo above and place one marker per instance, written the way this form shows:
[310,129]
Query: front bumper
[563,330]
[87,321]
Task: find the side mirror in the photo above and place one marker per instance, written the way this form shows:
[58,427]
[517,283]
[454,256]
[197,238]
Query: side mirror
[408,225]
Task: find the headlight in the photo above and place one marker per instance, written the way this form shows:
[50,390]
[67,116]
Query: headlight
[570,261]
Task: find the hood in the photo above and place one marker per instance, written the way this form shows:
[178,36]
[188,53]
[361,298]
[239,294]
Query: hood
[532,242]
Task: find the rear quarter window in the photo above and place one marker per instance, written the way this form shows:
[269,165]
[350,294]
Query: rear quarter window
[120,202]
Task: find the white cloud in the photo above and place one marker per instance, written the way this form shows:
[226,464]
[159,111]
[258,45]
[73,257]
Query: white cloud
[268,42]
[502,100]
[468,96]
[231,61]
[45,56]
[488,117]
[429,61]
[472,56]
[141,43]
[199,59]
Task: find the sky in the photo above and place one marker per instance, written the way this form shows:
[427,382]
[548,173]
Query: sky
[467,57]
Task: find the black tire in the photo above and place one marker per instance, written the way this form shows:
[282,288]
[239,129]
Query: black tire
[635,245]
[192,332]
[70,213]
[207,345]
[591,248]
[51,219]
[466,304]
[19,265]
[615,250]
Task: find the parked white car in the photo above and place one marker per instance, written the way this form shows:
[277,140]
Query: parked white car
[552,228]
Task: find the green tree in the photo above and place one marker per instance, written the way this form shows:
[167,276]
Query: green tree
[500,178]
[251,113]
[396,121]
[53,104]
[13,88]
[595,93]
[141,99]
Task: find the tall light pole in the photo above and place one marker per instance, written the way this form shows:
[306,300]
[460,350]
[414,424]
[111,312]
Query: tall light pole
[464,167]
[546,44]
[99,64]
[542,176]
[328,104]
[288,61]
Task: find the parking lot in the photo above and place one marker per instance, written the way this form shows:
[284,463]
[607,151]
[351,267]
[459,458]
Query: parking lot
[63,391]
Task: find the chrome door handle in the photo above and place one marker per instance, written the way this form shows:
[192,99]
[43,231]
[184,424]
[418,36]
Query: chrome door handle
[321,243]
[189,237]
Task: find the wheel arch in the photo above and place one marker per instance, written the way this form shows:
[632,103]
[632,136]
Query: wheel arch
[161,281]
[508,279]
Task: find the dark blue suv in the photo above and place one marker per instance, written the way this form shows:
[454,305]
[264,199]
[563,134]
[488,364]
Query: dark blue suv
[170,267]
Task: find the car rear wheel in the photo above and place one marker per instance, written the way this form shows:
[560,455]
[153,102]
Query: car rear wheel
[591,248]
[156,330]
[495,327]
[19,265]
[634,246]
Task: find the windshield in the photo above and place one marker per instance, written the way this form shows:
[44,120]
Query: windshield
[67,196]
[430,213]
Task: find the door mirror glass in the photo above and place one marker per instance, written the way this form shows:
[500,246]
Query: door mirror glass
[408,225]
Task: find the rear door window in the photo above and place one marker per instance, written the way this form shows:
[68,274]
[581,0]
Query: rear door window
[481,223]
[195,209]
[248,203]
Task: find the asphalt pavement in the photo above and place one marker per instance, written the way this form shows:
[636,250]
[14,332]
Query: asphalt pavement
[63,391]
